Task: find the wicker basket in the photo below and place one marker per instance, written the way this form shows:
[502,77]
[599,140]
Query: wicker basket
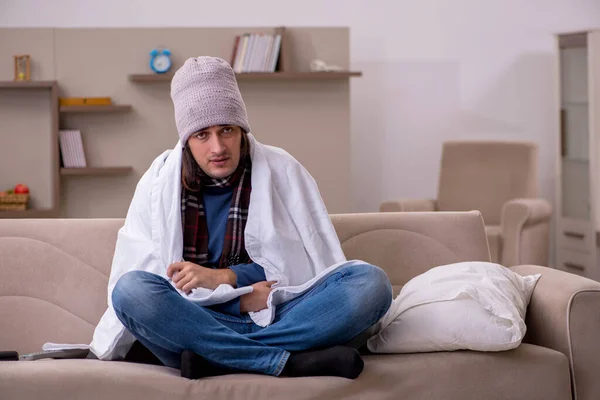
[13,207]
[14,202]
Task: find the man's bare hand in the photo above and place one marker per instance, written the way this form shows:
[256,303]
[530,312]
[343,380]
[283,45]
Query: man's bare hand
[188,276]
[257,300]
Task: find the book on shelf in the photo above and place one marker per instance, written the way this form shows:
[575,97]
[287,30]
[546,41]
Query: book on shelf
[256,52]
[71,149]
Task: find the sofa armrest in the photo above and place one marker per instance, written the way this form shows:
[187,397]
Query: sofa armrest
[525,232]
[408,205]
[564,315]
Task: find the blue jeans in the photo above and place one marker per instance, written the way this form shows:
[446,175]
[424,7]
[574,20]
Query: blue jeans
[332,313]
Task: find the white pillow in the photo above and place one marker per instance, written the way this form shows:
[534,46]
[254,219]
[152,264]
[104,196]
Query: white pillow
[470,305]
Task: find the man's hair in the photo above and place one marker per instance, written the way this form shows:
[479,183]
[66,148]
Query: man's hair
[190,170]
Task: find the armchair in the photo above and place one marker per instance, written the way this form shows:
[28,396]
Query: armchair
[500,180]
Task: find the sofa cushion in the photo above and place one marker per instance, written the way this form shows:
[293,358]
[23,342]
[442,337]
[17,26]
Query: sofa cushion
[405,245]
[524,373]
[494,237]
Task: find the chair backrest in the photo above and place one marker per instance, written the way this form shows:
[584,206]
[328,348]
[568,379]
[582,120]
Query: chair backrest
[54,272]
[483,175]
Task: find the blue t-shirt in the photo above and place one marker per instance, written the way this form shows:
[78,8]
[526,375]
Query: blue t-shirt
[217,202]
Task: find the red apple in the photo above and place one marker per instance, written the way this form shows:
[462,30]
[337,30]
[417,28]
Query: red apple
[21,189]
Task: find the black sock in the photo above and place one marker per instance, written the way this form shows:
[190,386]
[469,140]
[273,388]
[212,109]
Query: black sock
[334,361]
[194,366]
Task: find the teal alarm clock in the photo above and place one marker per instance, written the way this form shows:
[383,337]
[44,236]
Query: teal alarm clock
[160,60]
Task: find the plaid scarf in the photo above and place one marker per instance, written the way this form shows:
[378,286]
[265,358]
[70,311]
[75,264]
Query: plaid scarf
[195,229]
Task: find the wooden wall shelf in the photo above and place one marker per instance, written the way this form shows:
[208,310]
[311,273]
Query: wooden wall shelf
[305,76]
[58,51]
[117,108]
[96,171]
[252,76]
[54,209]
[27,84]
[32,213]
[150,77]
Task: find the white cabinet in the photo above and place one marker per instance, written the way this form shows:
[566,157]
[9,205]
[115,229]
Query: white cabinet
[578,168]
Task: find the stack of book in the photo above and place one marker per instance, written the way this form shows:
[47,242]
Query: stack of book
[71,149]
[256,52]
[84,101]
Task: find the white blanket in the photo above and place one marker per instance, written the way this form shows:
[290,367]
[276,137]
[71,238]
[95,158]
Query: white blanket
[288,232]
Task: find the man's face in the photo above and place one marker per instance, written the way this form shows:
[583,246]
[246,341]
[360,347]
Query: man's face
[217,149]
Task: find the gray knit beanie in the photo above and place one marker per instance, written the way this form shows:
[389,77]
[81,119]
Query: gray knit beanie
[205,93]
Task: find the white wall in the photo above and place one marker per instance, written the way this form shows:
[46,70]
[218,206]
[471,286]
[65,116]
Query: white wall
[433,70]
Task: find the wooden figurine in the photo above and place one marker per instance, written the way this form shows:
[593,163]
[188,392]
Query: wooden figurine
[22,68]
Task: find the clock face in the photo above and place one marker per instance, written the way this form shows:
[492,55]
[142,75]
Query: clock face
[161,62]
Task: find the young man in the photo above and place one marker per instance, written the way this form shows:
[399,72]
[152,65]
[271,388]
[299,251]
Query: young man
[228,260]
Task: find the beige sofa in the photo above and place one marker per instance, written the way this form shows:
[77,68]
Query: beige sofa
[499,178]
[53,276]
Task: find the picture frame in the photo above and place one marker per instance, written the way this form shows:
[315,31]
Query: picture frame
[22,67]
